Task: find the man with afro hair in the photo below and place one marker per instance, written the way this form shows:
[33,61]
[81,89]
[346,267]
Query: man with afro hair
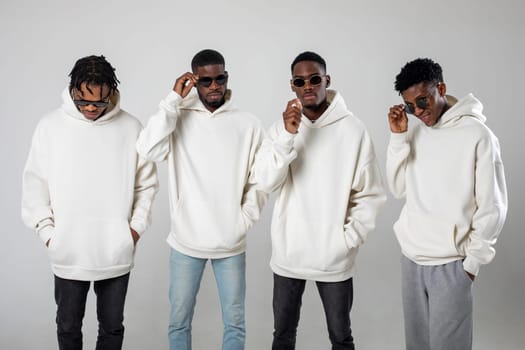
[447,166]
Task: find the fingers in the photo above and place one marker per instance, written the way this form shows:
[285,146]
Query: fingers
[295,104]
[397,118]
[134,235]
[292,115]
[185,83]
[397,111]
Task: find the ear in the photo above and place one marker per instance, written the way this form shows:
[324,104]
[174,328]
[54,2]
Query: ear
[292,86]
[442,88]
[328,81]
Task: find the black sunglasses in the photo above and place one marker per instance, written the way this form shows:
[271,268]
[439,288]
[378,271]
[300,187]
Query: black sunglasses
[219,79]
[314,80]
[84,103]
[421,103]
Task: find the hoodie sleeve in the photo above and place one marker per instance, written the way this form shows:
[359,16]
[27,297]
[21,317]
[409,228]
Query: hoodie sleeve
[154,140]
[491,203]
[274,157]
[146,187]
[37,212]
[253,199]
[367,197]
[396,163]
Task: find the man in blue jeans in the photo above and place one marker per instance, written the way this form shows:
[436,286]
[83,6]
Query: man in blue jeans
[209,145]
[320,159]
[88,195]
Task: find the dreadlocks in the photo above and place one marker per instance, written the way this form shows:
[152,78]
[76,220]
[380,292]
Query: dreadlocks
[93,70]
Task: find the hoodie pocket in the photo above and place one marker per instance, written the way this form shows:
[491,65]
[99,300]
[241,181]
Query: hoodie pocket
[202,226]
[92,243]
[310,246]
[426,237]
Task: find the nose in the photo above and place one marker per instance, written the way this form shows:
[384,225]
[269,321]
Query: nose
[307,85]
[90,108]
[418,111]
[214,84]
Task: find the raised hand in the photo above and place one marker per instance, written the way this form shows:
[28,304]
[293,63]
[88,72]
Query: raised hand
[292,115]
[398,119]
[184,83]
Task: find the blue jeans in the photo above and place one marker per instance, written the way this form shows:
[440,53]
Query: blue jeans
[185,278]
[337,300]
[71,295]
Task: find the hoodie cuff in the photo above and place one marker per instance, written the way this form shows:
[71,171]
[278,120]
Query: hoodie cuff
[284,137]
[398,141]
[171,101]
[46,232]
[138,226]
[398,137]
[471,265]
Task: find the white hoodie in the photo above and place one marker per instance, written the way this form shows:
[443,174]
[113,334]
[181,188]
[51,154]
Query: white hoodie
[83,187]
[452,177]
[213,201]
[329,193]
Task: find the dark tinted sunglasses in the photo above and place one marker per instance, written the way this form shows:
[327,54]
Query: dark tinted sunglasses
[421,103]
[219,79]
[314,80]
[84,103]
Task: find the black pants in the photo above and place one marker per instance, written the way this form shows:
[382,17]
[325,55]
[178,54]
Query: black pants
[337,302]
[70,296]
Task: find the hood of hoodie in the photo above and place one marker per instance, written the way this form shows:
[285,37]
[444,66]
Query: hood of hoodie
[336,110]
[467,107]
[194,103]
[69,107]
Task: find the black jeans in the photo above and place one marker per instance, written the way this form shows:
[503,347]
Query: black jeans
[70,296]
[337,300]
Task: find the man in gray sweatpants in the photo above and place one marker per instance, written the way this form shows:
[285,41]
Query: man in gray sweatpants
[447,165]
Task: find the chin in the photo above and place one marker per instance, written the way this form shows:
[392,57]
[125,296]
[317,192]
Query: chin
[215,103]
[310,105]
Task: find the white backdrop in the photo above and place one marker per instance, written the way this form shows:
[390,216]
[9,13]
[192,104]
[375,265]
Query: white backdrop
[479,44]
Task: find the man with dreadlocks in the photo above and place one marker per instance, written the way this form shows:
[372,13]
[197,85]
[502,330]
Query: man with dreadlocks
[88,195]
[447,166]
[209,145]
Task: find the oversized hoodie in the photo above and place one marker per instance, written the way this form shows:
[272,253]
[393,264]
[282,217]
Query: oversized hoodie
[452,177]
[84,186]
[329,193]
[213,200]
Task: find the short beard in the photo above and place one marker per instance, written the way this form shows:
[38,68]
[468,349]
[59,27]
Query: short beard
[214,104]
[317,107]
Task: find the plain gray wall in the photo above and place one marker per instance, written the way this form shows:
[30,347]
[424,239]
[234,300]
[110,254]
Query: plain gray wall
[479,44]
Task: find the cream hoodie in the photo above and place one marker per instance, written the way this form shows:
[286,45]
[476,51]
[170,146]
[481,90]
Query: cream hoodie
[213,201]
[329,193]
[452,177]
[83,187]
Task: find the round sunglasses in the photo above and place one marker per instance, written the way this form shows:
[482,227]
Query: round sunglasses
[314,80]
[422,102]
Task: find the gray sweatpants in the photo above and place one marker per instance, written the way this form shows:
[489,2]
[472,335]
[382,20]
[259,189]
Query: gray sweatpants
[437,305]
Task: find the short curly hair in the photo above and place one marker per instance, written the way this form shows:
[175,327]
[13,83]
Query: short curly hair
[417,71]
